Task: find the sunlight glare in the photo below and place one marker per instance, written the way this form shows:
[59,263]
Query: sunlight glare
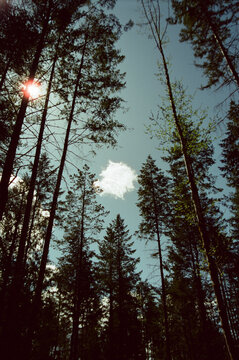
[31,89]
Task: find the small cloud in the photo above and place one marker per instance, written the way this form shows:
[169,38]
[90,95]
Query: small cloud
[116,179]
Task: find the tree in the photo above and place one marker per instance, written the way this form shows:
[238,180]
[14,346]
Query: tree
[17,39]
[189,300]
[83,220]
[9,160]
[230,171]
[153,195]
[154,21]
[209,26]
[34,241]
[230,156]
[45,11]
[99,128]
[118,278]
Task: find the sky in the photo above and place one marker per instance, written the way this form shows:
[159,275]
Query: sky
[117,169]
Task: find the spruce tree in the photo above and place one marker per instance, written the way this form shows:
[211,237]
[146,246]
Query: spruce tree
[118,278]
[82,221]
[153,195]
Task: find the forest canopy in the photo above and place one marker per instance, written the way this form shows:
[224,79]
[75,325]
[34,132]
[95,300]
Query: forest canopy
[63,98]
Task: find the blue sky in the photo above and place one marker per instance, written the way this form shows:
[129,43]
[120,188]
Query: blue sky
[142,95]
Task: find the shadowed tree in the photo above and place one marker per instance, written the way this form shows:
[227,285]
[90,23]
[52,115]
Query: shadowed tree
[152,14]
[153,196]
[118,279]
[93,89]
[82,220]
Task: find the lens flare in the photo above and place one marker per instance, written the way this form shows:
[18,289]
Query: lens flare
[31,89]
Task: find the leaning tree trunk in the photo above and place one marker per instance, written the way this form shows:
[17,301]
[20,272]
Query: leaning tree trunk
[10,157]
[154,23]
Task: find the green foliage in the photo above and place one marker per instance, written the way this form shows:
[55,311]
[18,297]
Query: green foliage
[153,197]
[202,22]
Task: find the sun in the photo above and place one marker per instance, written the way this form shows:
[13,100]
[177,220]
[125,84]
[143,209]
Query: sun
[31,89]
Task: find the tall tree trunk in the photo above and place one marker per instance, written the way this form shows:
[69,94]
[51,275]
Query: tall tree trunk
[120,334]
[110,356]
[9,161]
[8,267]
[155,30]
[74,350]
[165,312]
[19,272]
[38,291]
[205,329]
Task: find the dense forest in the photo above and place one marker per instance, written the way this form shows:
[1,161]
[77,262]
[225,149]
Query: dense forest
[60,72]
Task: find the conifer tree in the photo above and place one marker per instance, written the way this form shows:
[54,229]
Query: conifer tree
[153,195]
[83,220]
[118,277]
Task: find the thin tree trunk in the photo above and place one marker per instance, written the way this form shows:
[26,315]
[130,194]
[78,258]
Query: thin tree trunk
[205,331]
[111,317]
[38,291]
[74,350]
[165,312]
[9,161]
[201,222]
[121,331]
[19,273]
[29,235]
[155,30]
[226,299]
[8,268]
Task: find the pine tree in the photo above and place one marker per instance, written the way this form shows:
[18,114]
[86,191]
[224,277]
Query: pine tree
[153,195]
[154,21]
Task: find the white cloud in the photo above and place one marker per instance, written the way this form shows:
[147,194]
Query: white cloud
[116,179]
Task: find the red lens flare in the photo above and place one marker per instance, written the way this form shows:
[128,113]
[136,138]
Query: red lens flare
[31,89]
